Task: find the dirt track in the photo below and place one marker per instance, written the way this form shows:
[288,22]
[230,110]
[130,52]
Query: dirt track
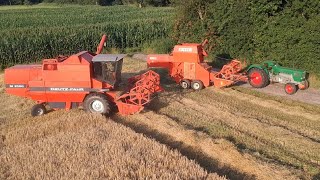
[310,95]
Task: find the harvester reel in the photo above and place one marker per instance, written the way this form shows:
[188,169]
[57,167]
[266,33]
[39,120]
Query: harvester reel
[140,95]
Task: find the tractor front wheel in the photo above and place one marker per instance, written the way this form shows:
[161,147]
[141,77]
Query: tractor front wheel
[258,78]
[290,88]
[185,84]
[97,103]
[38,110]
[306,85]
[197,85]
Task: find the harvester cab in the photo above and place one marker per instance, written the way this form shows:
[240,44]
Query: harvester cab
[107,68]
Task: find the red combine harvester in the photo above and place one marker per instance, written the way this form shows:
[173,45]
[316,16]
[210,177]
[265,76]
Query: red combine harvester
[187,67]
[85,79]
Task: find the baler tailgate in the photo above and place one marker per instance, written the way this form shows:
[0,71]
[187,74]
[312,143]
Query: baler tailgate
[140,94]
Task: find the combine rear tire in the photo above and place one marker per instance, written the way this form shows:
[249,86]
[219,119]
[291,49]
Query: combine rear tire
[258,78]
[38,110]
[290,88]
[97,103]
[197,85]
[306,85]
[185,84]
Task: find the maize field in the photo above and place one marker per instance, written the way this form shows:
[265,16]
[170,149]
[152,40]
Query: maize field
[29,35]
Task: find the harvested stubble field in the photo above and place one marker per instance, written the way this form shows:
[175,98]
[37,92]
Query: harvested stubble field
[76,145]
[235,132]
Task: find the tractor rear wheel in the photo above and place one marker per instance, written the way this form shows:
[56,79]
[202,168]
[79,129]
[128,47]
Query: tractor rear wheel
[97,103]
[185,84]
[38,110]
[258,78]
[306,85]
[197,85]
[290,88]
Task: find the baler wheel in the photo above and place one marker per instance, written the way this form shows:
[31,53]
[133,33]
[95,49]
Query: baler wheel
[97,103]
[258,78]
[197,85]
[306,85]
[38,110]
[185,84]
[290,88]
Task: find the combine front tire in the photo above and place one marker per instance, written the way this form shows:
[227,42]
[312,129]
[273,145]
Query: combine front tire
[258,78]
[290,88]
[97,103]
[197,85]
[185,84]
[38,110]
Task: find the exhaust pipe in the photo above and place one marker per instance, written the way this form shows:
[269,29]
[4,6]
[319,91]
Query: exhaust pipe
[101,44]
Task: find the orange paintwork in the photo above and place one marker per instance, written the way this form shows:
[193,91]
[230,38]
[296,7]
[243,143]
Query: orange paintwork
[49,81]
[68,80]
[187,62]
[140,94]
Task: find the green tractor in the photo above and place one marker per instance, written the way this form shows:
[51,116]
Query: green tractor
[260,75]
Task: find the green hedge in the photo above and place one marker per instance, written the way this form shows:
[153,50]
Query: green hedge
[255,30]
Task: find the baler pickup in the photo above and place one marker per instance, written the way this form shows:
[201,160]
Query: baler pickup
[229,75]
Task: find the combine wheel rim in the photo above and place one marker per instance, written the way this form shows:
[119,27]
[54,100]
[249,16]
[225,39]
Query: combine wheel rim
[97,103]
[197,85]
[185,84]
[97,106]
[38,110]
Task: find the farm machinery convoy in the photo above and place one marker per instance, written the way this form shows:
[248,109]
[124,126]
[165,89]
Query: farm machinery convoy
[187,67]
[91,80]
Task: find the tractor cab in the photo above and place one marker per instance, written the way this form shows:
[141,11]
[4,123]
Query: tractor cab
[107,68]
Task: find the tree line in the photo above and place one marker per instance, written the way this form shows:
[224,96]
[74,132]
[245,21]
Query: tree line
[283,30]
[88,2]
[255,30]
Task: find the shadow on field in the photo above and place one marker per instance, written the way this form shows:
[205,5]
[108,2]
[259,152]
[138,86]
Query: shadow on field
[316,177]
[174,93]
[209,164]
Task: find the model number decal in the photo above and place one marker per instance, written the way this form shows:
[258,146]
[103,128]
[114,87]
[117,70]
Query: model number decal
[185,49]
[66,89]
[16,86]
